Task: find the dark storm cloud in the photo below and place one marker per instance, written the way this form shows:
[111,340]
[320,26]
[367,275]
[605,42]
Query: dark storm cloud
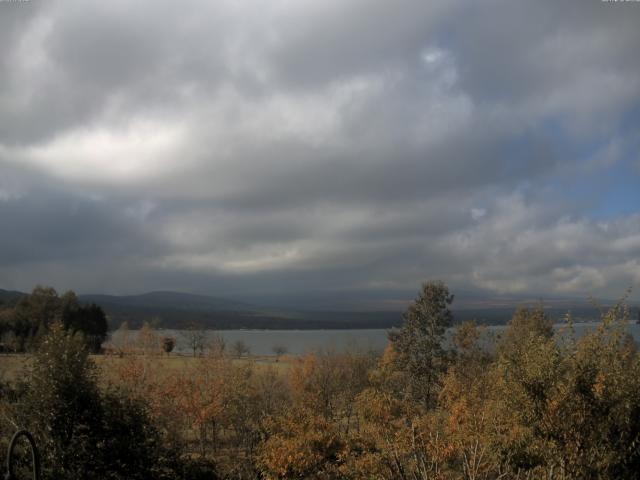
[43,222]
[362,146]
[335,40]
[545,47]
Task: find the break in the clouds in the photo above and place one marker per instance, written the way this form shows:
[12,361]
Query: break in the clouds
[296,147]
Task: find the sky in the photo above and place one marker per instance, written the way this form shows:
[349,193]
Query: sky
[345,149]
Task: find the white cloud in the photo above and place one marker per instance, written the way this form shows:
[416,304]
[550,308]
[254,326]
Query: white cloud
[355,143]
[134,152]
[478,213]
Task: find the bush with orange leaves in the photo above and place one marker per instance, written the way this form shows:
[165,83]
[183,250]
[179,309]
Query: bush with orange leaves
[319,436]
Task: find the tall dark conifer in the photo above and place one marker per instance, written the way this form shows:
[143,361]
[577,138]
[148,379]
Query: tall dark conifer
[419,344]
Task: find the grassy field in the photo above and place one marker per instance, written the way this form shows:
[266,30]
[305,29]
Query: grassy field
[13,366]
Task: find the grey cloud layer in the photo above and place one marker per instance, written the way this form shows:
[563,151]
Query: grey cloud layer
[251,147]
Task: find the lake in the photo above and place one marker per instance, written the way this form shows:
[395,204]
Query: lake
[299,342]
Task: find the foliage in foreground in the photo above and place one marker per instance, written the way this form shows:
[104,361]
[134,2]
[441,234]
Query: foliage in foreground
[533,404]
[81,430]
[24,324]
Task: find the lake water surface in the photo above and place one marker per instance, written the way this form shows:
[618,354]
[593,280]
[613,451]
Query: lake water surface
[299,342]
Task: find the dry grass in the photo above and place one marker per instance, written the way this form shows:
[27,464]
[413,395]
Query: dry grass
[13,366]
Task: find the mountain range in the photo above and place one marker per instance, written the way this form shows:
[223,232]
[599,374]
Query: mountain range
[170,309]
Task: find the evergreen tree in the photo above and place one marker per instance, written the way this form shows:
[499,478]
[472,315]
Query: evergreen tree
[63,404]
[82,432]
[419,343]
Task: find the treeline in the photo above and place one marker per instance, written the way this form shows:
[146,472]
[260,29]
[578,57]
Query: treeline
[535,405]
[174,318]
[27,319]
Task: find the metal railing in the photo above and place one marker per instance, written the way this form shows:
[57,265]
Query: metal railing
[35,459]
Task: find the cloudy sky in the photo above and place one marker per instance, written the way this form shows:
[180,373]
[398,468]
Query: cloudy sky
[310,148]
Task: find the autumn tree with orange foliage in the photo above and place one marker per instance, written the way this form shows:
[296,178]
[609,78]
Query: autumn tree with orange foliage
[571,407]
[319,436]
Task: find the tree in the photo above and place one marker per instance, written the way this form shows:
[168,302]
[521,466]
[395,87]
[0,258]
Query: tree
[419,342]
[90,320]
[63,404]
[279,350]
[130,444]
[466,405]
[527,322]
[31,317]
[120,338]
[301,445]
[240,348]
[569,409]
[147,340]
[195,336]
[82,432]
[217,344]
[168,344]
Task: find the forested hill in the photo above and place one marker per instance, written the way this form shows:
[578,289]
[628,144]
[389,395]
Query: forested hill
[177,310]
[9,296]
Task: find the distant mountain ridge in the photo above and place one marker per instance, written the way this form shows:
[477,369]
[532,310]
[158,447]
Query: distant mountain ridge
[187,301]
[10,295]
[170,309]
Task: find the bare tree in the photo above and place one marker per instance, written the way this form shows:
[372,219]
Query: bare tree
[195,335]
[279,350]
[217,344]
[120,338]
[240,348]
[147,341]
